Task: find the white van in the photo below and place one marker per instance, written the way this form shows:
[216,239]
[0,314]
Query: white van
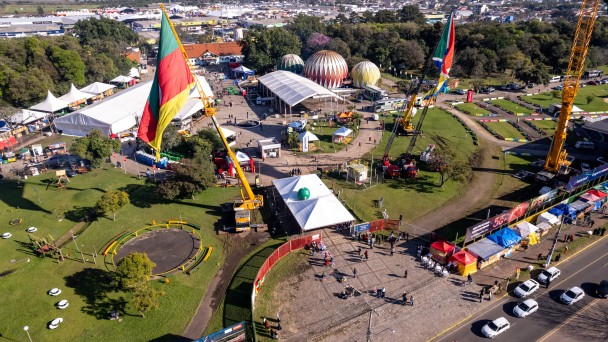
[555,79]
[585,145]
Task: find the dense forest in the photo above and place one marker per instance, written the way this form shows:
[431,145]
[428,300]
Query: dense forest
[31,66]
[399,42]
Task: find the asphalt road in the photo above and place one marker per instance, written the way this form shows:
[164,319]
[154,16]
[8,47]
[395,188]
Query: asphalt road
[586,320]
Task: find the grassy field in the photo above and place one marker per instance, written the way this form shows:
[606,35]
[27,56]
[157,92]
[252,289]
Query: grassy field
[548,126]
[472,108]
[28,8]
[27,278]
[598,103]
[505,129]
[423,194]
[513,107]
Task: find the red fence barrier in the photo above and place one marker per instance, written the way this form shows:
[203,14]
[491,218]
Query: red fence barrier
[273,258]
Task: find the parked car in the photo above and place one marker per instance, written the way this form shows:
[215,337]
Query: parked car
[459,91]
[585,167]
[70,173]
[514,86]
[559,87]
[604,81]
[530,85]
[549,274]
[584,145]
[526,288]
[487,90]
[495,327]
[572,296]
[602,289]
[525,308]
[593,83]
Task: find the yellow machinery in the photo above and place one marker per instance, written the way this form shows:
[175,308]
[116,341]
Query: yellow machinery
[556,158]
[249,200]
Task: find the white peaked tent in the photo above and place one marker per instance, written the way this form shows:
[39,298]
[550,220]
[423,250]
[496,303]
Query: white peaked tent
[75,96]
[191,106]
[242,157]
[113,114]
[206,88]
[121,79]
[320,210]
[526,228]
[229,135]
[134,73]
[97,88]
[51,104]
[26,116]
[311,137]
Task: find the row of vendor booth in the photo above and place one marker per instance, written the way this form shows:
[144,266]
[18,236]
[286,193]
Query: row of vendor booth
[506,240]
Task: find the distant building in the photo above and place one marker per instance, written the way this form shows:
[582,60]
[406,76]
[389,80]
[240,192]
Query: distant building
[214,53]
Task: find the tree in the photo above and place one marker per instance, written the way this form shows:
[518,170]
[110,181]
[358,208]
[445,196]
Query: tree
[40,11]
[264,47]
[589,98]
[304,25]
[146,299]
[450,166]
[69,64]
[412,13]
[189,177]
[292,139]
[408,54]
[111,201]
[211,136]
[171,138]
[339,46]
[133,271]
[317,41]
[95,147]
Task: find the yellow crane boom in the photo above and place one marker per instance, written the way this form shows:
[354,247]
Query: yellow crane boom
[249,200]
[556,158]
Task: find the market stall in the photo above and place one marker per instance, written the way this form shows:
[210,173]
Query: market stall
[441,250]
[528,231]
[465,262]
[547,217]
[269,148]
[594,197]
[581,208]
[569,214]
[486,251]
[342,135]
[357,172]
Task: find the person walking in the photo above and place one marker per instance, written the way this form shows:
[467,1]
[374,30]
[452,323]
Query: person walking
[540,256]
[489,295]
[412,300]
[392,251]
[354,272]
[359,251]
[366,256]
[404,298]
[405,274]
[469,279]
[481,297]
[557,257]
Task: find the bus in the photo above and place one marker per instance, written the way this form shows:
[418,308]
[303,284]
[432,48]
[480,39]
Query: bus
[374,93]
[387,105]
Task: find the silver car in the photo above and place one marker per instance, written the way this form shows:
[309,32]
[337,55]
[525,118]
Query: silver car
[495,327]
[525,308]
[526,288]
[572,296]
[549,274]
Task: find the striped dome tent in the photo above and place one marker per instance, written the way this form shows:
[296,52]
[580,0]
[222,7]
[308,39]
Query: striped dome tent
[365,73]
[326,68]
[291,63]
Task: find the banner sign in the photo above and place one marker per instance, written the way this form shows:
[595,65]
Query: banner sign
[496,222]
[233,333]
[363,227]
[542,199]
[585,177]
[305,144]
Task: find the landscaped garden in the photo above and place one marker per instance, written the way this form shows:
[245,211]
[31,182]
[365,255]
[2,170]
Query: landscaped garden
[472,109]
[505,129]
[597,94]
[511,107]
[548,126]
[87,285]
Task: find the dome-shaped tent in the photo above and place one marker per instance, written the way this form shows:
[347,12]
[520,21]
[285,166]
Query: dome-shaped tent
[291,63]
[365,73]
[326,68]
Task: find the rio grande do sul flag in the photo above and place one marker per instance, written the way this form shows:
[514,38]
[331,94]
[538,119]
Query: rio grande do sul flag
[172,84]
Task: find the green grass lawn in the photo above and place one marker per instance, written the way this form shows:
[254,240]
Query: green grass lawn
[421,195]
[472,108]
[505,129]
[325,135]
[598,103]
[548,126]
[513,107]
[20,8]
[85,285]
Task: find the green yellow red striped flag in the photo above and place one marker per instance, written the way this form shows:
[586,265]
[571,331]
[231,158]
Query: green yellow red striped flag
[171,88]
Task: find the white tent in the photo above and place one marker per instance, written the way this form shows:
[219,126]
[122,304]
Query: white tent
[97,88]
[547,217]
[26,116]
[134,73]
[75,96]
[206,88]
[229,135]
[242,157]
[242,69]
[526,228]
[113,114]
[320,210]
[191,106]
[343,131]
[122,79]
[51,104]
[311,137]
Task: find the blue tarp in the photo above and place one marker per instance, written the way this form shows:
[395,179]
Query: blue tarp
[563,209]
[505,237]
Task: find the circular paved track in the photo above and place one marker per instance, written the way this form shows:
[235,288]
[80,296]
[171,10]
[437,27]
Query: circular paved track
[167,248]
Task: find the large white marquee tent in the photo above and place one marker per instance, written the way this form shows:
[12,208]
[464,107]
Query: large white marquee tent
[320,210]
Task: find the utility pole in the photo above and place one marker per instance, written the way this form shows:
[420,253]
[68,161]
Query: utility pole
[550,255]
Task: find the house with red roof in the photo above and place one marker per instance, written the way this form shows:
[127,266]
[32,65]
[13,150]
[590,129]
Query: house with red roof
[214,53]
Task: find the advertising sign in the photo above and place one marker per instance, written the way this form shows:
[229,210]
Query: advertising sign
[363,227]
[305,144]
[542,199]
[233,333]
[585,177]
[497,221]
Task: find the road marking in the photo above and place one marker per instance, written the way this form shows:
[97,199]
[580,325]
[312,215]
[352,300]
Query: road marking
[506,293]
[578,313]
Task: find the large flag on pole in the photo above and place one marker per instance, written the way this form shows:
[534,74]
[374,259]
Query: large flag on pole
[173,82]
[444,56]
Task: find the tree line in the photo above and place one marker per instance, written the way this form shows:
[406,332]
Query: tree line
[400,42]
[93,51]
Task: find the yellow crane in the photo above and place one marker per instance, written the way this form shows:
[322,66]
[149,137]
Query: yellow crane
[557,161]
[248,201]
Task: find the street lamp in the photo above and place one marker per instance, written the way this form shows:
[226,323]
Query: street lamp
[26,328]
